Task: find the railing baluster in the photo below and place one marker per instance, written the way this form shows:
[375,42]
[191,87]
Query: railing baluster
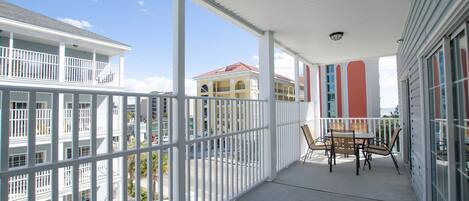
[75,143]
[109,130]
[55,147]
[94,117]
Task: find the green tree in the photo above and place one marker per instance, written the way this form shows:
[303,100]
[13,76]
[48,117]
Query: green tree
[131,165]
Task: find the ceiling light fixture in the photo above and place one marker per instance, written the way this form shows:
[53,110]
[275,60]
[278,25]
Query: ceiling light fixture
[336,36]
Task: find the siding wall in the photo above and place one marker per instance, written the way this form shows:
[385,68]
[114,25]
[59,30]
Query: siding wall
[423,18]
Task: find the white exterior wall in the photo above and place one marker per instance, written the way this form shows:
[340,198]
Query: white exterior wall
[422,29]
[373,105]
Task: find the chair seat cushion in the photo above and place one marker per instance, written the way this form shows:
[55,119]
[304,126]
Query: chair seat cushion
[383,152]
[318,146]
[380,147]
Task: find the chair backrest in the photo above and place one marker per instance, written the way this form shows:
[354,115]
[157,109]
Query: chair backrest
[394,136]
[359,126]
[308,135]
[337,125]
[343,144]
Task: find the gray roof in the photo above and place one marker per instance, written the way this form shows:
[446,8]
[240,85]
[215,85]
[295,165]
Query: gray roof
[16,13]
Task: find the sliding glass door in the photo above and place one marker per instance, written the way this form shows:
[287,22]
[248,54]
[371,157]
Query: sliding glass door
[459,73]
[438,124]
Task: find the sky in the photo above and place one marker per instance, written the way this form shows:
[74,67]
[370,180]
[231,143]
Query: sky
[146,25]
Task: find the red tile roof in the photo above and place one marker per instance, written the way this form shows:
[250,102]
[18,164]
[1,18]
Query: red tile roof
[236,67]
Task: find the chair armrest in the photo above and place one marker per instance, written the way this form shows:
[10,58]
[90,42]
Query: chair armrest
[380,141]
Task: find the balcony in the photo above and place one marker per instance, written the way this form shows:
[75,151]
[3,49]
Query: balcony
[19,125]
[225,159]
[39,66]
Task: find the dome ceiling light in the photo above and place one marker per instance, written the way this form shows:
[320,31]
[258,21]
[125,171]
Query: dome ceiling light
[336,36]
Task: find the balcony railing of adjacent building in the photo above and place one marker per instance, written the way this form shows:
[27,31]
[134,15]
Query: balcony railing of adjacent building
[19,122]
[225,154]
[32,65]
[18,185]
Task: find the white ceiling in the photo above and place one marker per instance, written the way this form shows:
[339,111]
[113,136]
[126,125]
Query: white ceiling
[371,27]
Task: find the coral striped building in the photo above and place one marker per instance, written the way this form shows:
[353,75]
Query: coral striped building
[350,89]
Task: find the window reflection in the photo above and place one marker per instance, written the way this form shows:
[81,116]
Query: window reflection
[459,72]
[438,125]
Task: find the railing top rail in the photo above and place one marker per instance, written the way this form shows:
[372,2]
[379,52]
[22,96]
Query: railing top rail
[76,58]
[30,51]
[222,98]
[358,118]
[81,91]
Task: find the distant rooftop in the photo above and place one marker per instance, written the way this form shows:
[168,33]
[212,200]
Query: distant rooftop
[237,67]
[16,13]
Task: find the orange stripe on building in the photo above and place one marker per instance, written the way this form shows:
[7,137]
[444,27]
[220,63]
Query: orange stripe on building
[356,81]
[339,91]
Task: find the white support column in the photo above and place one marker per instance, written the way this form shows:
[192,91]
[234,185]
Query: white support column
[121,69]
[178,164]
[10,56]
[4,142]
[94,67]
[315,95]
[297,77]
[62,62]
[266,86]
[305,92]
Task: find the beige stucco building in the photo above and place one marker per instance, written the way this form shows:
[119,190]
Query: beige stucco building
[240,80]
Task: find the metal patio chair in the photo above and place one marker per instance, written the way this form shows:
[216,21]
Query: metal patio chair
[382,148]
[313,144]
[346,145]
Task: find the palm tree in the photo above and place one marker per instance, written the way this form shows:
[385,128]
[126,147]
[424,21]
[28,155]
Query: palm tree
[154,176]
[143,167]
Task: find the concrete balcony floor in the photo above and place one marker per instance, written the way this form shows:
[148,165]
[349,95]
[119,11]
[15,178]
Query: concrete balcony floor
[312,181]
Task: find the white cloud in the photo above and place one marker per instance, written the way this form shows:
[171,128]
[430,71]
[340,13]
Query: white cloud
[388,82]
[141,3]
[283,64]
[156,83]
[82,24]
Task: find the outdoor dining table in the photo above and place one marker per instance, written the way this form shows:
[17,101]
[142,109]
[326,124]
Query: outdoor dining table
[364,136]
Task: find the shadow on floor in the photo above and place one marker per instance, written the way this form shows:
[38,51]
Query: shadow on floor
[312,181]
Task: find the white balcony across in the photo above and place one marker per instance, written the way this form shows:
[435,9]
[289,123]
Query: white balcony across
[40,66]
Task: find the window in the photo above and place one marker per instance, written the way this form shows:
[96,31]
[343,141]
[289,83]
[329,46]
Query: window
[19,160]
[80,105]
[204,88]
[459,72]
[82,151]
[438,124]
[330,87]
[240,85]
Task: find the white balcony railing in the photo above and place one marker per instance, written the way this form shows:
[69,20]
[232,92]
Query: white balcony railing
[18,185]
[19,122]
[226,144]
[381,127]
[78,70]
[33,65]
[290,141]
[84,120]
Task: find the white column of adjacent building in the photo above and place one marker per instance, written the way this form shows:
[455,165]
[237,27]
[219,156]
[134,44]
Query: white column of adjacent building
[266,86]
[296,67]
[10,56]
[178,105]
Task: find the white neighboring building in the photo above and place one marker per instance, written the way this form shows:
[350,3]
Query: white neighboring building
[36,50]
